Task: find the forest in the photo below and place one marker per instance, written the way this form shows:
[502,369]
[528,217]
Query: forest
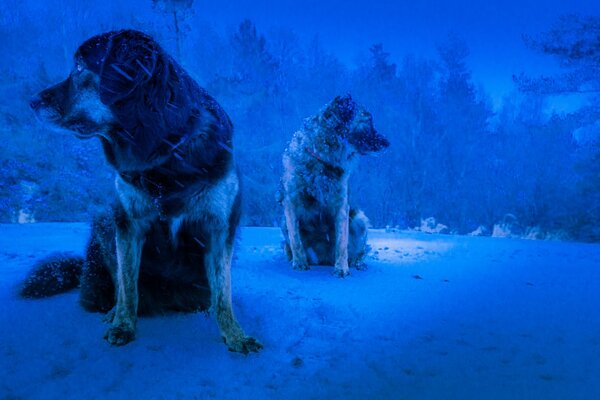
[456,163]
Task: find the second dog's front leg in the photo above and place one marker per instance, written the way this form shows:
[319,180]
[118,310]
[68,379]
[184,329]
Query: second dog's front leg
[341,239]
[129,241]
[218,266]
[293,228]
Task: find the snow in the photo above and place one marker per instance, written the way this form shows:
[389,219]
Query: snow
[433,317]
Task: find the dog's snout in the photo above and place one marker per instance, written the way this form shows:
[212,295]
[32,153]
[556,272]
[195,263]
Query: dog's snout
[384,142]
[35,102]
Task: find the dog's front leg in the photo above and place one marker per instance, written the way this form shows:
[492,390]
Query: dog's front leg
[218,266]
[341,237]
[130,237]
[293,227]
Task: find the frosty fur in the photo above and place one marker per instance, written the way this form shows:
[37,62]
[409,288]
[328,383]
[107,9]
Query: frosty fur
[320,226]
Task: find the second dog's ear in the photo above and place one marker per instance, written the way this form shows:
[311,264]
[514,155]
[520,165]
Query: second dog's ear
[342,107]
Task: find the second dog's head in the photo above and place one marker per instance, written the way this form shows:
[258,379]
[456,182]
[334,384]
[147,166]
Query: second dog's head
[354,124]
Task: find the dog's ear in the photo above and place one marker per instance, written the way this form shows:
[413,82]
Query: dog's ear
[94,50]
[123,60]
[130,62]
[343,108]
[150,96]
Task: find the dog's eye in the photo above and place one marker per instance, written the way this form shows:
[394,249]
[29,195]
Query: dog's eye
[78,68]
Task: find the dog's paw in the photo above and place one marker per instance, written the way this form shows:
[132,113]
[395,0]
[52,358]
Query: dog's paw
[341,272]
[119,335]
[110,316]
[244,345]
[360,265]
[300,266]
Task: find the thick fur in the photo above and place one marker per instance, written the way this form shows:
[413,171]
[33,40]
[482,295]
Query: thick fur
[320,227]
[57,274]
[167,243]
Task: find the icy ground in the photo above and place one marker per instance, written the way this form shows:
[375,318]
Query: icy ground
[434,317]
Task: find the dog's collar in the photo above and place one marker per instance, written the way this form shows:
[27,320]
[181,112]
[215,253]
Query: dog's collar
[334,168]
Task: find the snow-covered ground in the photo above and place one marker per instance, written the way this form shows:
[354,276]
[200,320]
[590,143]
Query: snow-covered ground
[434,317]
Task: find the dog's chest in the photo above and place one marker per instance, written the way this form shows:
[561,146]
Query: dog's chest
[323,185]
[165,195]
[199,199]
[169,189]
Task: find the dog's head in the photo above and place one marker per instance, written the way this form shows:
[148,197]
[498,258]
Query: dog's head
[123,87]
[354,124]
[75,104]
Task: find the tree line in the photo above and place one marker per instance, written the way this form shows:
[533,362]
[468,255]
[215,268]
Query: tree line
[453,157]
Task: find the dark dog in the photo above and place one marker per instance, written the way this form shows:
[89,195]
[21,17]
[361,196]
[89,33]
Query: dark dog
[320,227]
[167,245]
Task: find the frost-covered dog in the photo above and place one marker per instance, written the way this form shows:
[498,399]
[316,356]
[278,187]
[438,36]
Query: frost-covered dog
[167,244]
[320,226]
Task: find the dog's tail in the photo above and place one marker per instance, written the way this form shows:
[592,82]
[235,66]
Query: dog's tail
[53,275]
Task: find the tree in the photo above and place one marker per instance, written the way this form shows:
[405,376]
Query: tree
[463,117]
[180,10]
[414,140]
[381,68]
[375,85]
[254,66]
[575,42]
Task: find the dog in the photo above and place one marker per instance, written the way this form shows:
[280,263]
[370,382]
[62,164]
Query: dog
[166,244]
[320,227]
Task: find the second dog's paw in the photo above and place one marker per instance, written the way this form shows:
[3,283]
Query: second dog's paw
[300,266]
[360,265]
[119,335]
[341,272]
[244,345]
